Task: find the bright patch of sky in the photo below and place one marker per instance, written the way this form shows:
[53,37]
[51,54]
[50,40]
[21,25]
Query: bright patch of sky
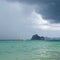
[41,23]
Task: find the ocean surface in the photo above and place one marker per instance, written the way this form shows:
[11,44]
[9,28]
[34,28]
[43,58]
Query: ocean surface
[30,50]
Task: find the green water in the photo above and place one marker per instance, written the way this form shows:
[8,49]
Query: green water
[29,50]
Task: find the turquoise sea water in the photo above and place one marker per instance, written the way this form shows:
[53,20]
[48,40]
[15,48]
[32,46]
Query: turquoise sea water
[29,50]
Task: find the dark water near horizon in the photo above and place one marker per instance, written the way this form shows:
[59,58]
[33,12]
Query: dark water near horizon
[30,50]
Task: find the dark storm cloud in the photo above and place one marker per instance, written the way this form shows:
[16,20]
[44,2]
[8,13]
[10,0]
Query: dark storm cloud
[49,9]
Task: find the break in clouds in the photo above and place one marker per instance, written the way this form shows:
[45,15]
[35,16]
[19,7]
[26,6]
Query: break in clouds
[49,9]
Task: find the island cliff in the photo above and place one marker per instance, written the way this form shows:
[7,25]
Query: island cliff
[37,37]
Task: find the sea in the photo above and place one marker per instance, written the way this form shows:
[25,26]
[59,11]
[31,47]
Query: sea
[29,50]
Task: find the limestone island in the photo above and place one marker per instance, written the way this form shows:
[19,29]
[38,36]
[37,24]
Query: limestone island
[37,37]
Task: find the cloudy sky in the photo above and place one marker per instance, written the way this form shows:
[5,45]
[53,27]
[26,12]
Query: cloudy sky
[23,18]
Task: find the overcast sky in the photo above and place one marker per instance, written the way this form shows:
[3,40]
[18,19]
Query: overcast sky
[23,18]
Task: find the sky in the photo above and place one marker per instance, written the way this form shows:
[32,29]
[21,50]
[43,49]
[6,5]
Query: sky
[24,18]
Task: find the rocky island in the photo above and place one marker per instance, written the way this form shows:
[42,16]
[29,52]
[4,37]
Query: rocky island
[37,37]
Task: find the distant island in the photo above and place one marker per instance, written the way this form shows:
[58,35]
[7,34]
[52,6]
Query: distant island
[37,37]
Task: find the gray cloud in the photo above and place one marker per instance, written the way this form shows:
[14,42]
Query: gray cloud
[17,20]
[13,17]
[49,9]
